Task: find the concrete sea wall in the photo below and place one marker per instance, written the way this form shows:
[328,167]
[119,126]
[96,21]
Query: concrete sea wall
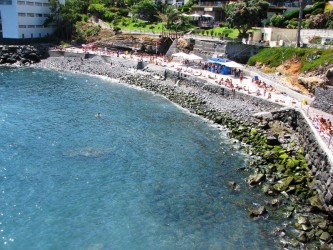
[319,159]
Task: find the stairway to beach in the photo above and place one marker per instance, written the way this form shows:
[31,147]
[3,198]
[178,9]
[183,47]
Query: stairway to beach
[207,49]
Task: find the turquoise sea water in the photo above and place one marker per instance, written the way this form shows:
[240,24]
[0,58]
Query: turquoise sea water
[145,175]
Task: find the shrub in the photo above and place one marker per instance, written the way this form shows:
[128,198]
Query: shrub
[110,16]
[123,12]
[291,14]
[84,18]
[292,24]
[227,32]
[278,21]
[315,9]
[329,23]
[315,40]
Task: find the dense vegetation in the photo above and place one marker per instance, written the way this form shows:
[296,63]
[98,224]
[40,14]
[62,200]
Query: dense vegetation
[75,15]
[318,16]
[74,18]
[308,57]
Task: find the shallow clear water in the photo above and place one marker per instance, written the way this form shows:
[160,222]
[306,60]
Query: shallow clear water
[145,175]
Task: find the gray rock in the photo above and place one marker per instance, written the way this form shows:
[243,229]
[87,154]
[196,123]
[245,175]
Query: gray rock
[255,179]
[257,211]
[325,236]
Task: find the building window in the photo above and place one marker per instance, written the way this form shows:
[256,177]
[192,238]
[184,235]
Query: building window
[38,4]
[22,26]
[20,2]
[6,2]
[22,36]
[31,26]
[45,4]
[39,26]
[21,14]
[31,14]
[30,3]
[39,15]
[46,15]
[32,35]
[40,35]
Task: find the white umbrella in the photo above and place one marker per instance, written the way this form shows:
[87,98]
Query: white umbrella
[233,64]
[195,15]
[180,54]
[184,14]
[206,15]
[193,57]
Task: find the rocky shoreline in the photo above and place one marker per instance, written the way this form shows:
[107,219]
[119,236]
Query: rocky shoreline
[278,167]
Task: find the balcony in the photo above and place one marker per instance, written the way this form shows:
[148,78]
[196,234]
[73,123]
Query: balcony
[214,3]
[289,4]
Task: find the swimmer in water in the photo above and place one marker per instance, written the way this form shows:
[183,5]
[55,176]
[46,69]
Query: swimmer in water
[98,115]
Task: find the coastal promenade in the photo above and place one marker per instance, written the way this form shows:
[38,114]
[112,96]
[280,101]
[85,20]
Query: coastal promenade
[277,91]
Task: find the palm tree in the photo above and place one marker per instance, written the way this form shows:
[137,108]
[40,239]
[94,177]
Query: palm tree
[168,15]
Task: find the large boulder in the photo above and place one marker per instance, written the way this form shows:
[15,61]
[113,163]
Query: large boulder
[329,77]
[311,82]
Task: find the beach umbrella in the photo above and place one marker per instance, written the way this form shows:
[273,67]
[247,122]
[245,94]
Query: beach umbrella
[208,16]
[180,54]
[233,64]
[195,15]
[221,61]
[193,57]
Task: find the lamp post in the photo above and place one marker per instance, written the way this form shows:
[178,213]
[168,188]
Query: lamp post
[300,16]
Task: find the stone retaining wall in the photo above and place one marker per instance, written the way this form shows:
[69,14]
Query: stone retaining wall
[317,159]
[324,99]
[240,52]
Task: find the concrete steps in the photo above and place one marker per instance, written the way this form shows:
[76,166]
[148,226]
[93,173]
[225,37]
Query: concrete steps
[207,49]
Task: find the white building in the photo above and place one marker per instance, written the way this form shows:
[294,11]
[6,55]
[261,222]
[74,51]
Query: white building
[24,19]
[177,3]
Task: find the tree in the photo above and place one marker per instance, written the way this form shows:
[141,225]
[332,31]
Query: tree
[145,9]
[168,15]
[278,21]
[246,14]
[227,8]
[65,16]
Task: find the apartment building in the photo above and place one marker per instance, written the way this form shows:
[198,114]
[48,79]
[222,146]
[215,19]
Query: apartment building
[212,8]
[172,2]
[24,19]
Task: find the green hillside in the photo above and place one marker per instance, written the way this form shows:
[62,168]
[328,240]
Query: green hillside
[309,58]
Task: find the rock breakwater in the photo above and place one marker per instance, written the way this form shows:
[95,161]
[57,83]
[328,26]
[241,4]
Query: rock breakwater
[24,55]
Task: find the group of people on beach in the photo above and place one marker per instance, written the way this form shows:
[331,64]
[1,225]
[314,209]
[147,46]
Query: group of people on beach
[324,126]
